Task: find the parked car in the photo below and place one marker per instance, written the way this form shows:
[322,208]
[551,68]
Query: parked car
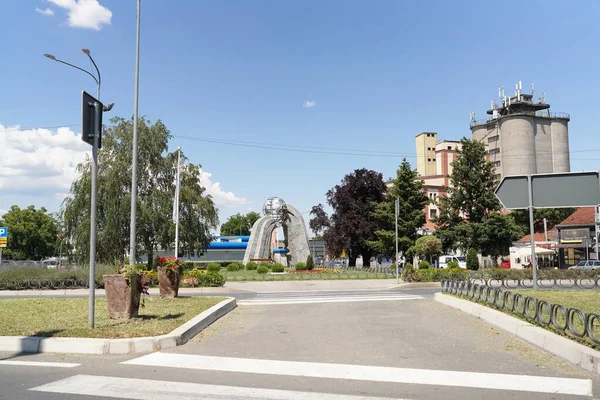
[586,265]
[444,260]
[505,264]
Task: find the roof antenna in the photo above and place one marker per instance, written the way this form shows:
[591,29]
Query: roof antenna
[472,116]
[532,88]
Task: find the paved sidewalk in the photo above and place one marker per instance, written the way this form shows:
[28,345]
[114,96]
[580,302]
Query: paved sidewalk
[234,287]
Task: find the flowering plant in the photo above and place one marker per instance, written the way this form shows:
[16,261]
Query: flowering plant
[168,263]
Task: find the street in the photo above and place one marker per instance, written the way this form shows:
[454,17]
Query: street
[367,344]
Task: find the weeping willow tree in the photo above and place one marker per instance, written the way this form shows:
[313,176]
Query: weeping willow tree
[156,186]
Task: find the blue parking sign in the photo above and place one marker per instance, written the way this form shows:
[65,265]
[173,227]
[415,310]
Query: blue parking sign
[3,232]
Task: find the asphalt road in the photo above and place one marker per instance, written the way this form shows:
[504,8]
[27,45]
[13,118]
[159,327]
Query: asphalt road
[345,345]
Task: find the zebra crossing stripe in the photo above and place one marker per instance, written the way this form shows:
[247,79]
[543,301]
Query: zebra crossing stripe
[142,389]
[312,300]
[525,383]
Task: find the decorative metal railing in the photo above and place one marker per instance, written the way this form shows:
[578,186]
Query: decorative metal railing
[568,320]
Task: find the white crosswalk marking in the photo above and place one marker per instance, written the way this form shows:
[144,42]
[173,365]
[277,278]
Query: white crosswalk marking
[38,364]
[130,388]
[303,298]
[526,383]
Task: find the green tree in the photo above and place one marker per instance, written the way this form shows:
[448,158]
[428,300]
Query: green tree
[472,260]
[239,224]
[310,262]
[156,188]
[33,234]
[428,247]
[409,190]
[554,216]
[469,214]
[352,222]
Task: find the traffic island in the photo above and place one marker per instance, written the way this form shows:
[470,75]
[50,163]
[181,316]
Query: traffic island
[60,325]
[562,347]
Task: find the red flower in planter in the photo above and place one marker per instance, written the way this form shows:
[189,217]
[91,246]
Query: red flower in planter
[168,263]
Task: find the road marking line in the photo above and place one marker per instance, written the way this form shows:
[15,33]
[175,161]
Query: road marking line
[38,364]
[262,302]
[132,388]
[526,383]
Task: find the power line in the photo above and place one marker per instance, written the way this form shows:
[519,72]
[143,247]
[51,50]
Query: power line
[317,149]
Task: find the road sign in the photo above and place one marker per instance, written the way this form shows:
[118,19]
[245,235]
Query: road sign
[3,232]
[568,189]
[88,111]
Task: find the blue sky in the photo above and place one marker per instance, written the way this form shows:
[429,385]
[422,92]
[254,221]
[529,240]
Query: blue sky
[379,73]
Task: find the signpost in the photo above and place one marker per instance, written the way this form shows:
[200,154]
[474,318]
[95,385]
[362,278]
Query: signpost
[91,132]
[397,211]
[3,240]
[567,189]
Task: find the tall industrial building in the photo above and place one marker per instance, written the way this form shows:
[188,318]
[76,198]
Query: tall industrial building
[524,137]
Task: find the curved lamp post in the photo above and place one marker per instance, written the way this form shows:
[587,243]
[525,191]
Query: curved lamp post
[92,278]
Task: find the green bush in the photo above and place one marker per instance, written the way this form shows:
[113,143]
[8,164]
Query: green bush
[409,267]
[262,270]
[310,262]
[187,265]
[434,275]
[277,267]
[301,267]
[233,267]
[211,279]
[251,266]
[453,264]
[213,267]
[472,260]
[265,264]
[424,265]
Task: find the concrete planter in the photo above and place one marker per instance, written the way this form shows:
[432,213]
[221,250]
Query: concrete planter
[168,282]
[122,300]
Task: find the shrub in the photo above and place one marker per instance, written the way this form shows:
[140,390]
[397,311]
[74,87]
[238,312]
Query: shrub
[234,266]
[409,267]
[424,265]
[453,264]
[472,260]
[310,262]
[277,267]
[251,266]
[301,267]
[211,279]
[187,265]
[213,267]
[265,264]
[262,270]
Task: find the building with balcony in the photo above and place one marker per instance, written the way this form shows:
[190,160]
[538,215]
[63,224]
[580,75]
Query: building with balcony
[523,136]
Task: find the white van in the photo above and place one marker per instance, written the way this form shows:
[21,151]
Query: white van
[444,260]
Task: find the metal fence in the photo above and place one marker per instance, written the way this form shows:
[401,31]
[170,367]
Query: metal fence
[568,320]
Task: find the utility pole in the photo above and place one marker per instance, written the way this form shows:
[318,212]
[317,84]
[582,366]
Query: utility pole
[135,140]
[176,205]
[397,211]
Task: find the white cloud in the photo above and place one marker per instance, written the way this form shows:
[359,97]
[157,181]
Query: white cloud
[39,162]
[85,13]
[309,104]
[47,11]
[220,197]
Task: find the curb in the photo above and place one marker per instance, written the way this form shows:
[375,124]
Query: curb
[575,353]
[178,337]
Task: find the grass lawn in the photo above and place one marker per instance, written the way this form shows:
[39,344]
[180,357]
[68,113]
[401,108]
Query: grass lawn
[69,317]
[587,301]
[341,275]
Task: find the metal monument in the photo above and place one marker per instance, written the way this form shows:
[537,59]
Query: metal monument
[277,213]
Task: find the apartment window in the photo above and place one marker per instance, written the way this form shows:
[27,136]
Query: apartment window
[429,159]
[496,163]
[497,177]
[494,151]
[434,159]
[432,214]
[449,147]
[493,139]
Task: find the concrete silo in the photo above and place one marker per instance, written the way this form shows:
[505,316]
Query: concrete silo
[524,137]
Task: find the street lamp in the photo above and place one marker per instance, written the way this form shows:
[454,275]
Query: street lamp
[92,277]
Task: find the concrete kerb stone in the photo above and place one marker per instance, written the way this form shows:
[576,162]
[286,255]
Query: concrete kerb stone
[564,348]
[179,336]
